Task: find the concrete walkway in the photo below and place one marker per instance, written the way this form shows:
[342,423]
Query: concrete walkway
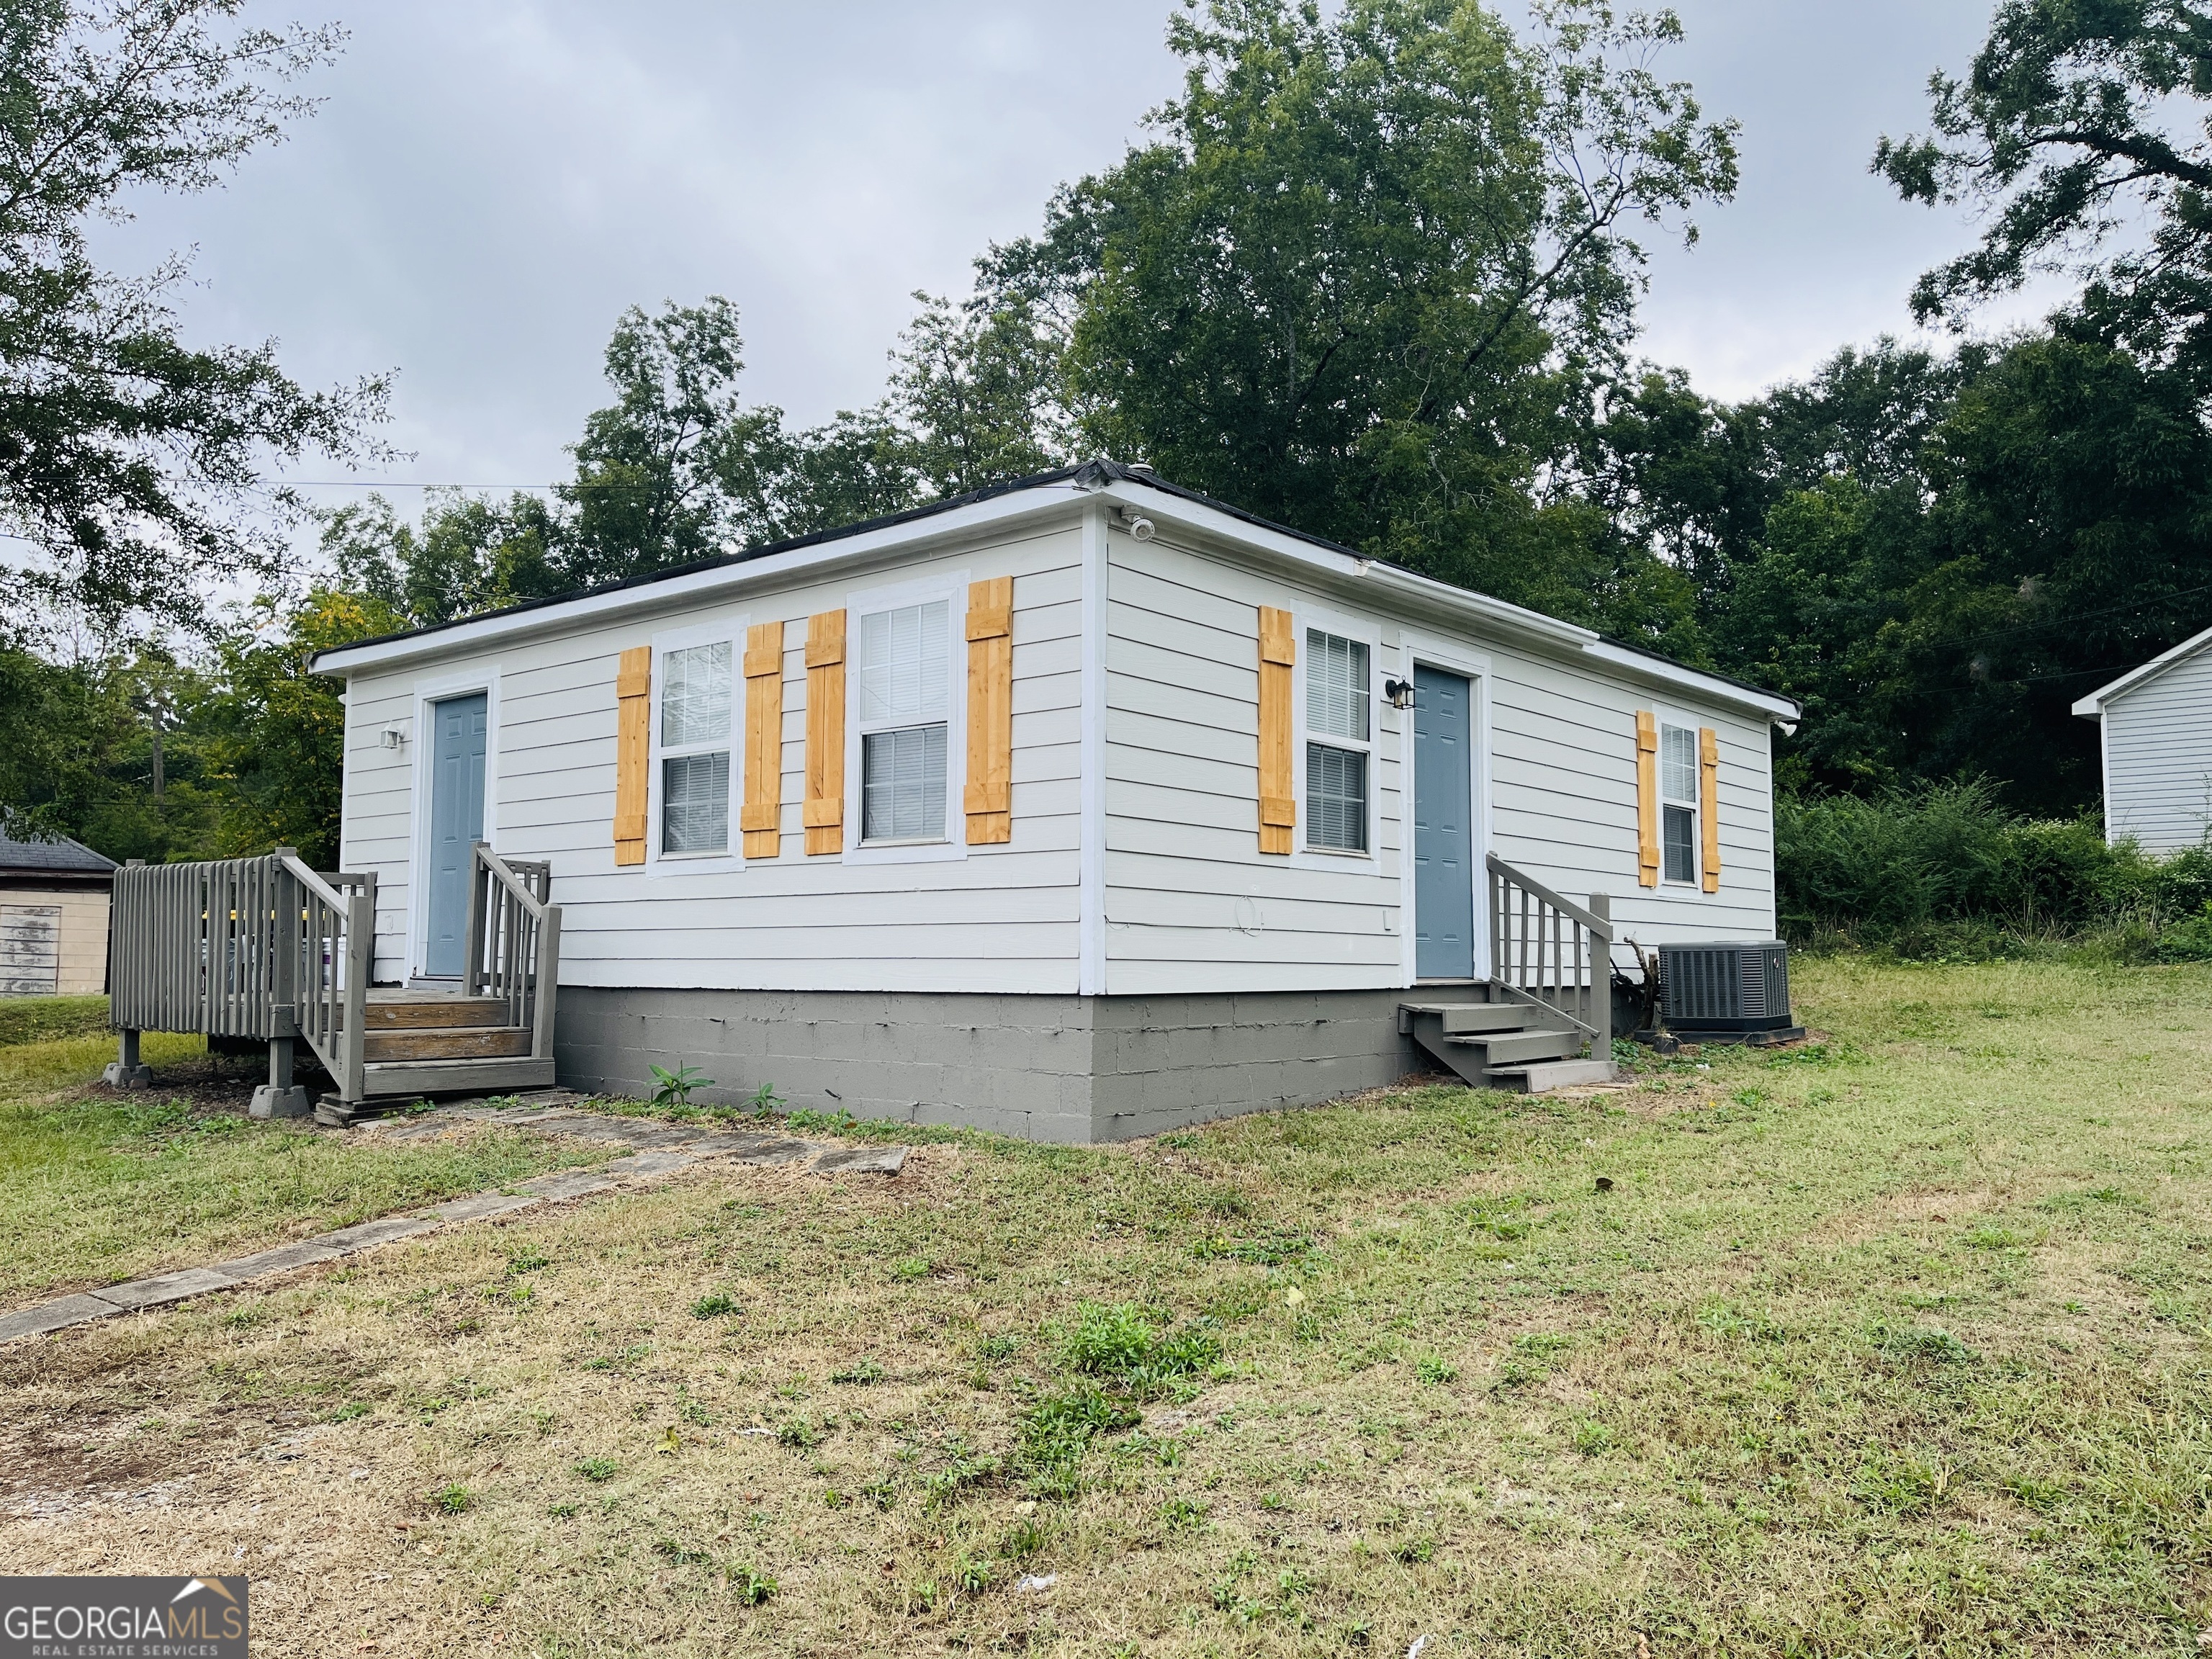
[656,1149]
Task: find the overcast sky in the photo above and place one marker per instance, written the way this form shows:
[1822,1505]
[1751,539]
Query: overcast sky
[490,182]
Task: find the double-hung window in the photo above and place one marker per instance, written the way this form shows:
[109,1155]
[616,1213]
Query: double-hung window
[1678,798]
[1339,749]
[696,688]
[905,673]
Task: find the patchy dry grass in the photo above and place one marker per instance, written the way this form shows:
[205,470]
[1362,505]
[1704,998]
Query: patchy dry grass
[1895,1346]
[98,1186]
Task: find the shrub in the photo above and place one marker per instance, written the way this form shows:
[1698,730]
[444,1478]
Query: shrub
[1942,867]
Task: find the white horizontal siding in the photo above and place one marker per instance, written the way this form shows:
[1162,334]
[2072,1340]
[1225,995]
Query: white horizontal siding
[1193,905]
[1002,919]
[2158,758]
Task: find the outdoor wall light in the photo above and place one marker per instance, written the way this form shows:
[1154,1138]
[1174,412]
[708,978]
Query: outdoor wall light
[1398,694]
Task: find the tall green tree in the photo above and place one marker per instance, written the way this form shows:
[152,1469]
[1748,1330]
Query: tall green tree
[133,466]
[1956,551]
[1364,275]
[2079,121]
[109,748]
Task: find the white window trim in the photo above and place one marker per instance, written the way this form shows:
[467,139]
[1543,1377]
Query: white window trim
[1367,632]
[730,630]
[485,679]
[1418,649]
[1681,721]
[952,587]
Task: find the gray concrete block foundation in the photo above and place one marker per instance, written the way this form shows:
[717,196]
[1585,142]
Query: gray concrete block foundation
[1055,1068]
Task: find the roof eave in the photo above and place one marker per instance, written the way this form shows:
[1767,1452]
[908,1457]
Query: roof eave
[723,577]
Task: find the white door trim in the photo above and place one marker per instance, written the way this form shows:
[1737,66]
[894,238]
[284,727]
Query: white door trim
[426,693]
[1419,649]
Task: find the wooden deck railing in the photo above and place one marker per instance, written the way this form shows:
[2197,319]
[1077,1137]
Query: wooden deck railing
[514,942]
[334,942]
[1552,952]
[262,948]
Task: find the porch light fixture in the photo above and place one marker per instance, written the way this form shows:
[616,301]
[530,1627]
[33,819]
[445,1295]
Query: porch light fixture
[1398,694]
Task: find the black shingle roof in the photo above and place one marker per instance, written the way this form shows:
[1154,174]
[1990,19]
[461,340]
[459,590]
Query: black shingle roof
[60,854]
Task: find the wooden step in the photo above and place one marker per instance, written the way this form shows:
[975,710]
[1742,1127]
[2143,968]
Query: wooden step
[446,1042]
[415,1013]
[1535,1079]
[1519,1048]
[410,1078]
[1478,1017]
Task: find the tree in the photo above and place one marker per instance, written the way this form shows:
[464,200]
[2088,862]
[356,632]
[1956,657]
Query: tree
[131,464]
[1956,549]
[470,555]
[1364,277]
[275,741]
[976,394]
[78,753]
[2078,120]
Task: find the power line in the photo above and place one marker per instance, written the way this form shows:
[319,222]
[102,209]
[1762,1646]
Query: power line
[2074,616]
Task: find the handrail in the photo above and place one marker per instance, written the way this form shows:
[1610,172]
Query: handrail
[513,943]
[1551,952]
[332,956]
[1589,919]
[313,882]
[514,884]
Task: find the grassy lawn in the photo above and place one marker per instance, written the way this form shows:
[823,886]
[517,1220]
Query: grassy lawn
[97,1187]
[1896,1345]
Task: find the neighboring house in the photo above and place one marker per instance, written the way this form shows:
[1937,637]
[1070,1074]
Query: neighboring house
[53,918]
[1076,808]
[2155,725]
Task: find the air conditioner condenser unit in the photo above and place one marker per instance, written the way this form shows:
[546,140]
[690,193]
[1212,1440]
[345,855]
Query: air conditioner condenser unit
[1737,992]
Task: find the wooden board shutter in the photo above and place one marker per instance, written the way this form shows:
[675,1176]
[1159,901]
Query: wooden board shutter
[1278,809]
[1647,799]
[990,711]
[633,750]
[825,732]
[763,818]
[1709,804]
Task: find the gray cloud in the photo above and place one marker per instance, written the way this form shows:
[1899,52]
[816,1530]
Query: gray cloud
[490,181]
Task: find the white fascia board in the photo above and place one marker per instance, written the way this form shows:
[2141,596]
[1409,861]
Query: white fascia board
[2093,706]
[1164,506]
[722,581]
[1772,704]
[1481,610]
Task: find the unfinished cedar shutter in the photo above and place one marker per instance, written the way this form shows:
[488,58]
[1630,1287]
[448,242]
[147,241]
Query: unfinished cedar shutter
[990,711]
[633,750]
[825,732]
[1647,799]
[1278,809]
[762,816]
[1709,804]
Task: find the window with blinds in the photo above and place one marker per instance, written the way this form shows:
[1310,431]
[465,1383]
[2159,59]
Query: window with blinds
[903,685]
[1679,799]
[696,683]
[1338,743]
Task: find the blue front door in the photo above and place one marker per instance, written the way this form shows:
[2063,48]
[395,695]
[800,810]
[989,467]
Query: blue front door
[456,807]
[1444,830]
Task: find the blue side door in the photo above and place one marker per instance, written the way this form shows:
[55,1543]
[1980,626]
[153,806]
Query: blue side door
[456,809]
[1443,831]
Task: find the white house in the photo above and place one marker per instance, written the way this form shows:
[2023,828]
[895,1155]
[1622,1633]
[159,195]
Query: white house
[1077,808]
[2155,725]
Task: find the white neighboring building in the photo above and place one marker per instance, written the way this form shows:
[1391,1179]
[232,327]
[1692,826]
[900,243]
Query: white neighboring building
[2156,723]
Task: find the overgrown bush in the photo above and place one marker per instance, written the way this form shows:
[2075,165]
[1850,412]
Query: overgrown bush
[1944,867]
